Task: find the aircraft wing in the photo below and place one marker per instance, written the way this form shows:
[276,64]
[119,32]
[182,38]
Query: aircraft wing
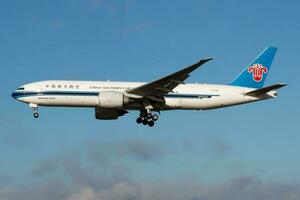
[164,85]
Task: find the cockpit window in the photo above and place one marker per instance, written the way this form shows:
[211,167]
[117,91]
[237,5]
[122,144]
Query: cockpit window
[21,88]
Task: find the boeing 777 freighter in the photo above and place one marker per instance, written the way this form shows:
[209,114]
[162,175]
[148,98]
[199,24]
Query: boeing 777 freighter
[113,99]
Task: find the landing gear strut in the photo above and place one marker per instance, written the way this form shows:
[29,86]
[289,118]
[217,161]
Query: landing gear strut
[147,118]
[35,110]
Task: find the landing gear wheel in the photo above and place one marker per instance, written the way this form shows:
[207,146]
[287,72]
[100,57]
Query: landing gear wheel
[145,121]
[151,123]
[36,115]
[149,116]
[154,117]
[139,120]
[142,114]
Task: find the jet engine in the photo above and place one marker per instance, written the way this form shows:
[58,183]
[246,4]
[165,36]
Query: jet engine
[112,99]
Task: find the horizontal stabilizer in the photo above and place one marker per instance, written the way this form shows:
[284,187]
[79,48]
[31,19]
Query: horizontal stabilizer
[265,90]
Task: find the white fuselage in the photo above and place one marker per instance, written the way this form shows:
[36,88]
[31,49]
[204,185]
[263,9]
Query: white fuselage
[86,94]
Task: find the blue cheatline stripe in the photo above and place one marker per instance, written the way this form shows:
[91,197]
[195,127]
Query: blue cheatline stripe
[83,93]
[55,93]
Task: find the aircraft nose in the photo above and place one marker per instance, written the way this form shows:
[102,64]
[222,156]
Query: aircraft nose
[14,94]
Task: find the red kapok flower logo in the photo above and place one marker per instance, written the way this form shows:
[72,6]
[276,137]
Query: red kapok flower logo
[257,71]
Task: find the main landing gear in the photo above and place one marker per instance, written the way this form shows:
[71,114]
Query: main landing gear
[35,110]
[147,118]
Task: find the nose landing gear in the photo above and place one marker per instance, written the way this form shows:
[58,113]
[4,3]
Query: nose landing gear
[35,110]
[147,118]
[36,115]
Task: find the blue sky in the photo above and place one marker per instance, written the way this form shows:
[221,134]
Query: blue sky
[141,41]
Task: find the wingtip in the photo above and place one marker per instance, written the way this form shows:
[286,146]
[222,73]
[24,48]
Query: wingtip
[282,84]
[206,59]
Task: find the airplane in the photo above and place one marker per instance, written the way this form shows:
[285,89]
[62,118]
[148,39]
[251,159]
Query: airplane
[112,100]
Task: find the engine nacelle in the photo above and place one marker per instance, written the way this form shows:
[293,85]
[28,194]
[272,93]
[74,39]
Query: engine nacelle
[108,113]
[112,99]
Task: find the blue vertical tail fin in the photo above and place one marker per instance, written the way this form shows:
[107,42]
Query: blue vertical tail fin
[255,74]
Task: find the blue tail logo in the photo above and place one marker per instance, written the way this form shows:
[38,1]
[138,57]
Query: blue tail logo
[255,74]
